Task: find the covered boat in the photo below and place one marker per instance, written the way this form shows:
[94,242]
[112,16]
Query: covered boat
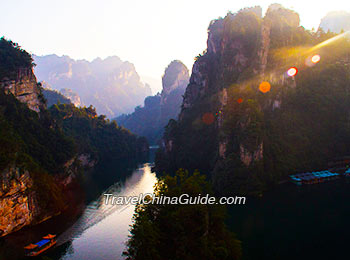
[47,242]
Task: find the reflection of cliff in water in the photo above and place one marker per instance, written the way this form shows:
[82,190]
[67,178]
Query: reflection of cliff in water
[101,231]
[97,183]
[89,187]
[104,175]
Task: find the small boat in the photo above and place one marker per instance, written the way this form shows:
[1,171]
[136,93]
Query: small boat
[47,242]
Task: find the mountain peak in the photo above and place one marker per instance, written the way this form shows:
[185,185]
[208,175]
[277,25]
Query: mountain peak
[336,21]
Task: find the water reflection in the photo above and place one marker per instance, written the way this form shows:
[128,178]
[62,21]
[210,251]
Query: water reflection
[102,230]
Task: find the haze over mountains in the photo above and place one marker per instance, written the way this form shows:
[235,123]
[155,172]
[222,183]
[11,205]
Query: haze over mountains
[111,85]
[336,21]
[150,120]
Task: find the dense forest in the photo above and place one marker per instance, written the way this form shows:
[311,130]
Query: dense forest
[247,120]
[12,58]
[51,138]
[97,136]
[193,231]
[46,143]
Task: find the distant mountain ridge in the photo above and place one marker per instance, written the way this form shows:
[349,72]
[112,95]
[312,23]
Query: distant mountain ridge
[44,151]
[111,85]
[336,21]
[150,120]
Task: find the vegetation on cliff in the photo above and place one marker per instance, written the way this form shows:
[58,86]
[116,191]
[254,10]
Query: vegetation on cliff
[193,231]
[47,146]
[12,58]
[53,97]
[254,137]
[52,138]
[96,136]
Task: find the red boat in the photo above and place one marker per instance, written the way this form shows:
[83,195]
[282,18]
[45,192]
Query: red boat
[43,245]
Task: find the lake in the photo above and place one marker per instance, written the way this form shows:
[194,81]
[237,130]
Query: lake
[288,222]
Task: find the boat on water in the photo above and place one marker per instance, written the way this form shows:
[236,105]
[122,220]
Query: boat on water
[43,245]
[313,177]
[347,173]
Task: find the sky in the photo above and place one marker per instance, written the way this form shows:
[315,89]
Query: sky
[149,34]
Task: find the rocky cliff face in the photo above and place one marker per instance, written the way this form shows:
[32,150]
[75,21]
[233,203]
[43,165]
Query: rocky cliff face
[24,87]
[74,97]
[223,122]
[175,81]
[20,202]
[17,200]
[175,78]
[150,120]
[238,48]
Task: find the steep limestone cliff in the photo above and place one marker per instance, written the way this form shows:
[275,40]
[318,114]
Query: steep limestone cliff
[150,120]
[25,88]
[241,103]
[17,201]
[21,194]
[74,98]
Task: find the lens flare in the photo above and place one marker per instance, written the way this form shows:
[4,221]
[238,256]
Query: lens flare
[316,58]
[330,41]
[240,100]
[292,71]
[264,87]
[208,118]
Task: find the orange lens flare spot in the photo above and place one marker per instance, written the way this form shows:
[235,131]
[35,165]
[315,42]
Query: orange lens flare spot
[264,87]
[240,100]
[292,71]
[316,58]
[208,118]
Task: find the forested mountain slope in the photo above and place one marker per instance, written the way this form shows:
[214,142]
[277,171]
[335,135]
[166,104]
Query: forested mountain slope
[265,100]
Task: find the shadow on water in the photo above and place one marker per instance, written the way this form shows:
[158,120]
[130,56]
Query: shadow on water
[292,222]
[91,186]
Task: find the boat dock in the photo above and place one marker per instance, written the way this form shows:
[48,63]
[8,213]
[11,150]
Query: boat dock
[316,177]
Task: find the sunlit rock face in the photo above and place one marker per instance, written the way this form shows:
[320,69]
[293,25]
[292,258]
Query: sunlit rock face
[238,48]
[336,22]
[17,201]
[245,50]
[24,87]
[150,120]
[20,201]
[111,85]
[74,97]
[175,81]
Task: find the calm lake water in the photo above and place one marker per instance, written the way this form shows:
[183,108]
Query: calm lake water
[292,222]
[288,222]
[97,231]
[102,230]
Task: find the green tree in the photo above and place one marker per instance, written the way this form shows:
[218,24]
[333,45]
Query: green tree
[197,231]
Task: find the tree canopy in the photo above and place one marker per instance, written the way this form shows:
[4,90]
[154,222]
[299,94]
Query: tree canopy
[197,231]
